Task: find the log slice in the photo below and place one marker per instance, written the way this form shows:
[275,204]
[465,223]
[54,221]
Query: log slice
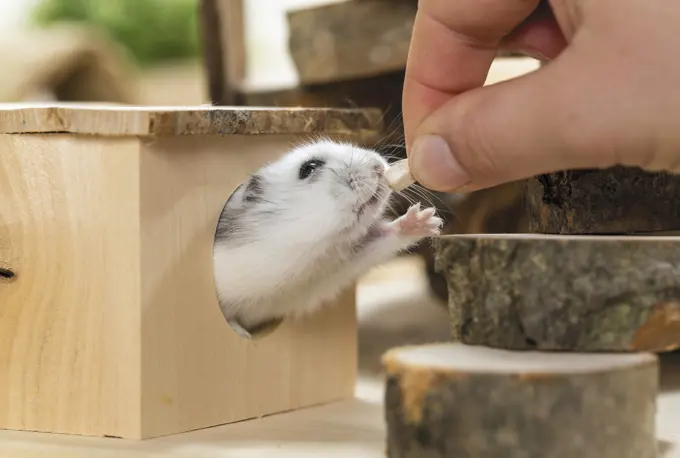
[455,401]
[550,292]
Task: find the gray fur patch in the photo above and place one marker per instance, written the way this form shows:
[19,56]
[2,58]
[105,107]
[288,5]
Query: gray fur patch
[228,225]
[255,189]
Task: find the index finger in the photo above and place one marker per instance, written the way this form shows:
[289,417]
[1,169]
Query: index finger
[452,47]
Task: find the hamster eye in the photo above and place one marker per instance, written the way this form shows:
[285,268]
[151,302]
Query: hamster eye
[309,166]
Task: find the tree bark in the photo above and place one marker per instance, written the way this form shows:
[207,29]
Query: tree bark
[618,200]
[454,401]
[579,293]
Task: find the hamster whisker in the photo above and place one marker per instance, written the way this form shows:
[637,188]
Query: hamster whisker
[351,156]
[409,199]
[391,158]
[336,174]
[406,197]
[396,125]
[384,115]
[426,192]
[393,146]
[423,196]
[416,196]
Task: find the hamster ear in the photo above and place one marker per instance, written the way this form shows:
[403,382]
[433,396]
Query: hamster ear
[254,190]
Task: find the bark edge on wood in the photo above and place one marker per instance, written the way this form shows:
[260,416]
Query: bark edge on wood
[617,200]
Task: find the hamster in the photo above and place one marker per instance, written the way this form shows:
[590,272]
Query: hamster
[303,228]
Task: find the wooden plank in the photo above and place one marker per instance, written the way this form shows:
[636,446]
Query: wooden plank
[618,200]
[350,39]
[578,293]
[451,400]
[123,120]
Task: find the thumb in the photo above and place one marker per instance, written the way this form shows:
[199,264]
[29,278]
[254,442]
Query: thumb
[541,122]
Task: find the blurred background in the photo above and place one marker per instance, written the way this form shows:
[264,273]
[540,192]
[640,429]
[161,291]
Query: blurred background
[340,53]
[154,46]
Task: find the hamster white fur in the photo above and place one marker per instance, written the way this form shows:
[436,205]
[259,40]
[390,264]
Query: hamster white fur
[305,227]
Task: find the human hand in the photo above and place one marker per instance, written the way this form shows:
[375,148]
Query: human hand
[608,96]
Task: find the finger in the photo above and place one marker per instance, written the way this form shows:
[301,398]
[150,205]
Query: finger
[452,47]
[538,123]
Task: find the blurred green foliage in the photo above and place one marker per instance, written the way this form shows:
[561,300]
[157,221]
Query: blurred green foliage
[152,30]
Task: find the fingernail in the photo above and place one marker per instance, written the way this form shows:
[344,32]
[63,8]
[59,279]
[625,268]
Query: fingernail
[434,166]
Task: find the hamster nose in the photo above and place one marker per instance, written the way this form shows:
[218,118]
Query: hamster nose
[378,169]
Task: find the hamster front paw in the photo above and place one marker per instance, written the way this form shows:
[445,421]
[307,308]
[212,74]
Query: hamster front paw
[417,223]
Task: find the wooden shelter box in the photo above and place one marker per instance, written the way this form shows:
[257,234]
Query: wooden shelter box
[109,321]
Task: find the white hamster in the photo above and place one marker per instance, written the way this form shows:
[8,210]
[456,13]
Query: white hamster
[305,227]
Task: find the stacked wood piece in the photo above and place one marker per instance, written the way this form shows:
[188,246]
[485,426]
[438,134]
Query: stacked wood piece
[573,293]
[577,286]
[618,200]
[453,401]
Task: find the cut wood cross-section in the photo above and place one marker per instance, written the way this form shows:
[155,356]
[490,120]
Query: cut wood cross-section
[453,401]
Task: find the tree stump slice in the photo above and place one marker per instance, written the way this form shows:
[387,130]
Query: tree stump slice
[450,400]
[619,200]
[551,292]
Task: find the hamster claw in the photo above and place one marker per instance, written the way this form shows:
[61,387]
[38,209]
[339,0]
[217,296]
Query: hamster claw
[413,210]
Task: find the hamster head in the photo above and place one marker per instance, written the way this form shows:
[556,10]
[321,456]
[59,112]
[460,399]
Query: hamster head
[321,188]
